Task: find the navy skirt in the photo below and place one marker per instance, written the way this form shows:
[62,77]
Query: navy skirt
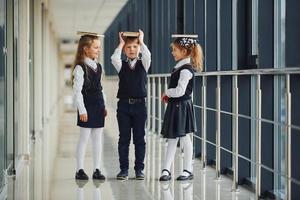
[179,119]
[95,117]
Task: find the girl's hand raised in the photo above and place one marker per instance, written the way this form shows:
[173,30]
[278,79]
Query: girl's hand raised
[83,117]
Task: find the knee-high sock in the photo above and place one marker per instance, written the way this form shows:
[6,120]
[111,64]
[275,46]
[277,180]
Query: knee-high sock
[81,146]
[96,140]
[171,150]
[188,154]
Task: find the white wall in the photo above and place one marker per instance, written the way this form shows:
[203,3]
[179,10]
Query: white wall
[35,158]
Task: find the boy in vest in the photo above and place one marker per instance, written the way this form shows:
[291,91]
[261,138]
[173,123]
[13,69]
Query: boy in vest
[131,111]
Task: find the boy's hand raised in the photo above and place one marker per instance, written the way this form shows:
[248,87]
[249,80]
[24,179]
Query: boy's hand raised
[141,36]
[122,42]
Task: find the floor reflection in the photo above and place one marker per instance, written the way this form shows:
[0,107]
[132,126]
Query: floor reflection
[185,191]
[96,190]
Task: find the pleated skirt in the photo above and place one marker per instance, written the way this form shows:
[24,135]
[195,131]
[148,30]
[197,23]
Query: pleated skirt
[179,119]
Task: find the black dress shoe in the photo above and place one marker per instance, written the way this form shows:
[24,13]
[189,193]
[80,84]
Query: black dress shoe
[165,177]
[81,175]
[184,178]
[139,175]
[97,175]
[122,175]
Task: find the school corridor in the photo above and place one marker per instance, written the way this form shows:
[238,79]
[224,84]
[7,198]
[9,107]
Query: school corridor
[246,99]
[64,186]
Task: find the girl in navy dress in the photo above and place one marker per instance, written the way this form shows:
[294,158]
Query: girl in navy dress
[89,101]
[179,118]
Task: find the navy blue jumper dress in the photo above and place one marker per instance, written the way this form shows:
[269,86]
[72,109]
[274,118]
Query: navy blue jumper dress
[179,118]
[92,97]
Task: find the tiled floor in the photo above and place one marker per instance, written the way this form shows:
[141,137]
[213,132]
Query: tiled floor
[64,186]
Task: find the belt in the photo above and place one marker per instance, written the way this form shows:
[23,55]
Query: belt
[133,101]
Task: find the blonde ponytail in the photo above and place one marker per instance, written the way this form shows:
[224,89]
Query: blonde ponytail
[197,57]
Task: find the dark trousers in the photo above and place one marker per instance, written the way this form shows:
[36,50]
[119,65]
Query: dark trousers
[131,117]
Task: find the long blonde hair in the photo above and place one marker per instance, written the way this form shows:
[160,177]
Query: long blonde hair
[194,51]
[84,41]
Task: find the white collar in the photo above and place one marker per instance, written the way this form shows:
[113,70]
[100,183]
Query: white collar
[90,62]
[131,61]
[183,62]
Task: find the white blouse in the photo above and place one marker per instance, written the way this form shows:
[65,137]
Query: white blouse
[78,84]
[146,58]
[184,78]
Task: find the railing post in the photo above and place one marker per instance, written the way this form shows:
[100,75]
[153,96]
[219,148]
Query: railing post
[153,105]
[288,142]
[203,123]
[159,106]
[148,159]
[218,128]
[165,88]
[235,136]
[148,103]
[153,159]
[258,138]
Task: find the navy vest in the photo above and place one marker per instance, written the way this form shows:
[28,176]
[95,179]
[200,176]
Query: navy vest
[132,82]
[92,88]
[174,82]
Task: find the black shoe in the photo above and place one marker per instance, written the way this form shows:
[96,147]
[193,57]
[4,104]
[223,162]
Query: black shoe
[122,175]
[97,175]
[81,175]
[165,177]
[139,175]
[184,178]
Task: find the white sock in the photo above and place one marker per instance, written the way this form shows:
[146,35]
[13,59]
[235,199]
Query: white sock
[96,140]
[188,154]
[81,146]
[171,150]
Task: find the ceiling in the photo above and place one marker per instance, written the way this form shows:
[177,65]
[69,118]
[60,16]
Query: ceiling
[70,16]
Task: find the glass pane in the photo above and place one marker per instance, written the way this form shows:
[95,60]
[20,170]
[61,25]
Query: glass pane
[2,91]
[9,133]
[281,151]
[16,78]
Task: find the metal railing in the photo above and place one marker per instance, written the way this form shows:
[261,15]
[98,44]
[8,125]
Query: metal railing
[158,82]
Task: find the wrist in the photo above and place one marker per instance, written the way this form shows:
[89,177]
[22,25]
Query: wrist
[121,45]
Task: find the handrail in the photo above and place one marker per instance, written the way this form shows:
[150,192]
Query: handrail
[158,82]
[267,71]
